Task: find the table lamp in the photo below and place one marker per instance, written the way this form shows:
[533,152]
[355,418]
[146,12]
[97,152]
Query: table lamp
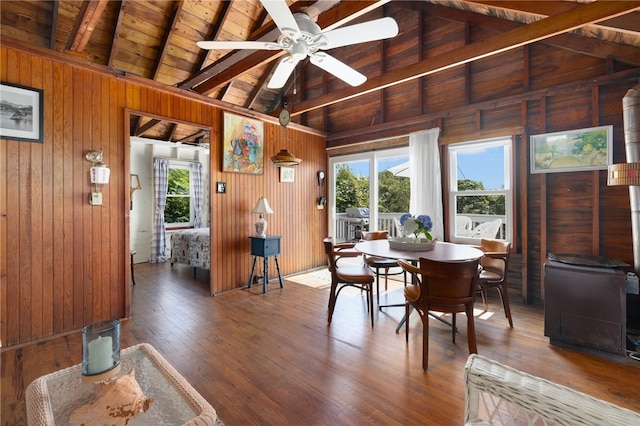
[262,207]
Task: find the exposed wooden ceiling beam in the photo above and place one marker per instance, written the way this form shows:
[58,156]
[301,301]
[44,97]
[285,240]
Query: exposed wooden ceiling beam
[575,18]
[176,10]
[54,24]
[149,124]
[116,31]
[85,24]
[550,8]
[580,44]
[215,31]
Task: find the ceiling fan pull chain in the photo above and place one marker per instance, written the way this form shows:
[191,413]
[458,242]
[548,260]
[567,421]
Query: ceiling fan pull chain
[295,81]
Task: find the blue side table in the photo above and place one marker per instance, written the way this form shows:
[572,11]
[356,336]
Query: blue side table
[265,248]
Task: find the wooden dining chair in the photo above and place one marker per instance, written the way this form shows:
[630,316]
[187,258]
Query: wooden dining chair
[361,277]
[495,264]
[381,265]
[447,287]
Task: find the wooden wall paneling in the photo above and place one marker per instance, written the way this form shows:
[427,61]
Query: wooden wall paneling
[99,251]
[219,202]
[543,231]
[11,311]
[595,213]
[521,155]
[3,217]
[69,197]
[54,101]
[41,199]
[117,100]
[111,248]
[87,281]
[569,212]
[543,204]
[595,223]
[10,171]
[81,249]
[24,317]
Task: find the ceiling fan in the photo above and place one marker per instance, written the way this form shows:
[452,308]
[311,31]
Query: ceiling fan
[301,38]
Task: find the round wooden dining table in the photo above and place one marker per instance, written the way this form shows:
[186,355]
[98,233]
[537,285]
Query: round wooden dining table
[442,252]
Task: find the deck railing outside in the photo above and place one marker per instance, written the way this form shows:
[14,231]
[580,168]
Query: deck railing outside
[347,229]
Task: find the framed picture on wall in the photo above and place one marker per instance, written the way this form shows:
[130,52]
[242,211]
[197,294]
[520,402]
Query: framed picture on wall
[21,113]
[287,174]
[572,150]
[243,145]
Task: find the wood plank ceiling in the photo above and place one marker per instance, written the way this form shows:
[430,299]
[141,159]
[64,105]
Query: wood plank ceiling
[157,40]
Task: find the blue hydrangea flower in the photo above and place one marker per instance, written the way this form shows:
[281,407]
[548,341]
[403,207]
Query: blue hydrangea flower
[420,225]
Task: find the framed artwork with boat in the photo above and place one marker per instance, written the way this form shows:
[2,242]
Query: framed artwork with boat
[21,113]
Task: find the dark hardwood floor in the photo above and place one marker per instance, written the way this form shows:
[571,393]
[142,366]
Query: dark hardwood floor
[272,359]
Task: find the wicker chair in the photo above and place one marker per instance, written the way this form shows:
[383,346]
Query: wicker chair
[496,394]
[347,276]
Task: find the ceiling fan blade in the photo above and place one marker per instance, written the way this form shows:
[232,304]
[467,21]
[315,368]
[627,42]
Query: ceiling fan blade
[236,44]
[283,71]
[377,29]
[282,16]
[341,70]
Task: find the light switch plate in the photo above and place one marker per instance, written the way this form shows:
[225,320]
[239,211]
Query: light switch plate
[95,199]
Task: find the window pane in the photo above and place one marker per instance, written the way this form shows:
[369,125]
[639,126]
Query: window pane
[480,190]
[178,205]
[394,191]
[178,182]
[481,168]
[480,204]
[352,191]
[177,210]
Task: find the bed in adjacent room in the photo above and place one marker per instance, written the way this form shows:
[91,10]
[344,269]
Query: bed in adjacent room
[191,247]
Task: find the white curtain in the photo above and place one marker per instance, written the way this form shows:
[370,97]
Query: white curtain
[426,185]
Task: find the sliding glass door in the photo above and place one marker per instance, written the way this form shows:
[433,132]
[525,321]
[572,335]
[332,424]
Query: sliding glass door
[366,191]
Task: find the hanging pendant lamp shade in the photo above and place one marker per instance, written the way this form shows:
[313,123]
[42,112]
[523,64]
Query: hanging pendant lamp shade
[285,159]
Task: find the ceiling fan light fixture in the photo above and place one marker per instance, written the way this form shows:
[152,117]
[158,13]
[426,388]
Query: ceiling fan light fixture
[301,37]
[299,51]
[285,159]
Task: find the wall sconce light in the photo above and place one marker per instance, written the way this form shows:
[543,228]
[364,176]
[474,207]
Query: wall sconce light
[99,175]
[262,207]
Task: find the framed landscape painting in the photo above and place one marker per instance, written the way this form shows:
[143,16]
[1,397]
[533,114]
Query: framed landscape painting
[243,145]
[21,113]
[573,150]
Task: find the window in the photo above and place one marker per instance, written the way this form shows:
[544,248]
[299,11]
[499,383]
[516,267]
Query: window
[377,181]
[480,192]
[178,211]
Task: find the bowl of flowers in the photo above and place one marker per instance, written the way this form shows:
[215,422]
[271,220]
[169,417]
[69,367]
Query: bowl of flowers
[415,234]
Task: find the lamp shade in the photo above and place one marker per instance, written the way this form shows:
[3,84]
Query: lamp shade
[285,159]
[262,207]
[100,173]
[624,174]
